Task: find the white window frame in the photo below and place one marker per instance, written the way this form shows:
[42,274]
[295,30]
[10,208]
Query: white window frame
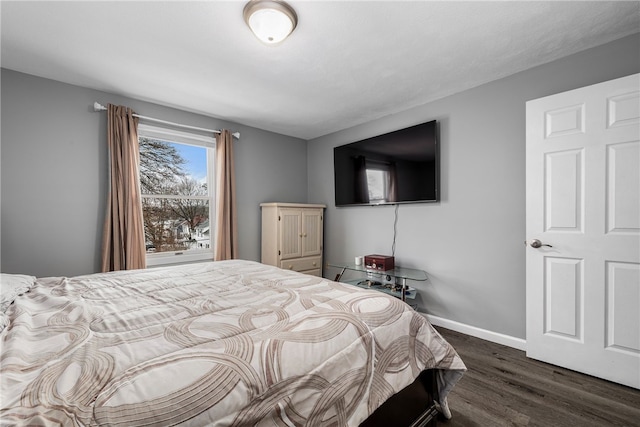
[208,142]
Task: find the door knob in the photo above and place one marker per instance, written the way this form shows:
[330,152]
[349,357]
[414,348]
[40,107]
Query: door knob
[535,243]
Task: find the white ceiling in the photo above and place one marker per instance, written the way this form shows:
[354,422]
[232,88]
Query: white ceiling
[347,63]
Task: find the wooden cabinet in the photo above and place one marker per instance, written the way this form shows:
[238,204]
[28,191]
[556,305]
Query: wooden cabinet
[292,236]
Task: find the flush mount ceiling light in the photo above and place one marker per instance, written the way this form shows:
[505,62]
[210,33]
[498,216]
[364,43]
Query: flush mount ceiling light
[270,20]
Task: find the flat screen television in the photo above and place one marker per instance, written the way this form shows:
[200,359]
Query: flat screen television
[398,167]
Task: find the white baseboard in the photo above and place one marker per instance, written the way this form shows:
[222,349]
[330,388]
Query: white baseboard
[484,334]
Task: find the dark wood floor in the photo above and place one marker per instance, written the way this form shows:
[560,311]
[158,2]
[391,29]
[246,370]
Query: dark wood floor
[502,387]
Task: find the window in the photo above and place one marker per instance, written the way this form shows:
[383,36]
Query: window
[378,181]
[177,186]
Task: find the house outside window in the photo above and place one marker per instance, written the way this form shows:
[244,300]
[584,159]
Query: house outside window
[177,185]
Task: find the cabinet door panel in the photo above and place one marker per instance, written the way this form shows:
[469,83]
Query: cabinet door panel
[311,232]
[290,234]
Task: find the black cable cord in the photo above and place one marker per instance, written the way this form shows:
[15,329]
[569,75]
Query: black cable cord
[395,231]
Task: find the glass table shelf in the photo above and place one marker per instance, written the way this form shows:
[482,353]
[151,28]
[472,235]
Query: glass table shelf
[396,291]
[397,274]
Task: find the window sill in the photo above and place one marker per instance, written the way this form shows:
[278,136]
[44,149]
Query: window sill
[157,260]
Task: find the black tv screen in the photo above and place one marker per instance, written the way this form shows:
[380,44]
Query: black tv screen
[398,167]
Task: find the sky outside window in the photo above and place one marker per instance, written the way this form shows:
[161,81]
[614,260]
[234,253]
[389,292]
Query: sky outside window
[195,158]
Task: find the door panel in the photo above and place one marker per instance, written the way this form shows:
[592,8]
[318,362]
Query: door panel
[312,232]
[623,293]
[564,208]
[290,243]
[623,187]
[563,297]
[623,110]
[583,201]
[564,121]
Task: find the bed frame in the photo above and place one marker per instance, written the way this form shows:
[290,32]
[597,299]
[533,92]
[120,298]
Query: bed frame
[413,406]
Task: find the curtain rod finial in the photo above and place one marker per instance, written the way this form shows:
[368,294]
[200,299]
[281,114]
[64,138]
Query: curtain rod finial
[98,107]
[236,135]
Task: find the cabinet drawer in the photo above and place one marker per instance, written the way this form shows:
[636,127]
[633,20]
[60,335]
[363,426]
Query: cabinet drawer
[302,264]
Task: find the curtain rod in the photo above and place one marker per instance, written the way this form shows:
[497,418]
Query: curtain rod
[99,107]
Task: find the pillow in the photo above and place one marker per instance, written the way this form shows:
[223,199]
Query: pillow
[12,285]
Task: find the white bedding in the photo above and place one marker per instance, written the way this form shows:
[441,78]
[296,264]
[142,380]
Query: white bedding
[228,343]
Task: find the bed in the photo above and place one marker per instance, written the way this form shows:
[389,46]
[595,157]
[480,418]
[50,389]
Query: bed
[226,343]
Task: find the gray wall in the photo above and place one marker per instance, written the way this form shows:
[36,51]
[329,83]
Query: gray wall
[54,183]
[470,243]
[54,174]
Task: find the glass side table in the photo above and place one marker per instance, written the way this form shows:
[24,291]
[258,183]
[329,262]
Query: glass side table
[398,274]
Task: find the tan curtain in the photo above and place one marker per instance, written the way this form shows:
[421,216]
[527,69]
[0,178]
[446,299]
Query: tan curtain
[123,237]
[226,214]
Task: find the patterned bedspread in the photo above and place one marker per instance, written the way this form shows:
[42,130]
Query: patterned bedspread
[227,343]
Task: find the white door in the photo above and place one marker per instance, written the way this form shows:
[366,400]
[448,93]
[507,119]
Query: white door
[583,200]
